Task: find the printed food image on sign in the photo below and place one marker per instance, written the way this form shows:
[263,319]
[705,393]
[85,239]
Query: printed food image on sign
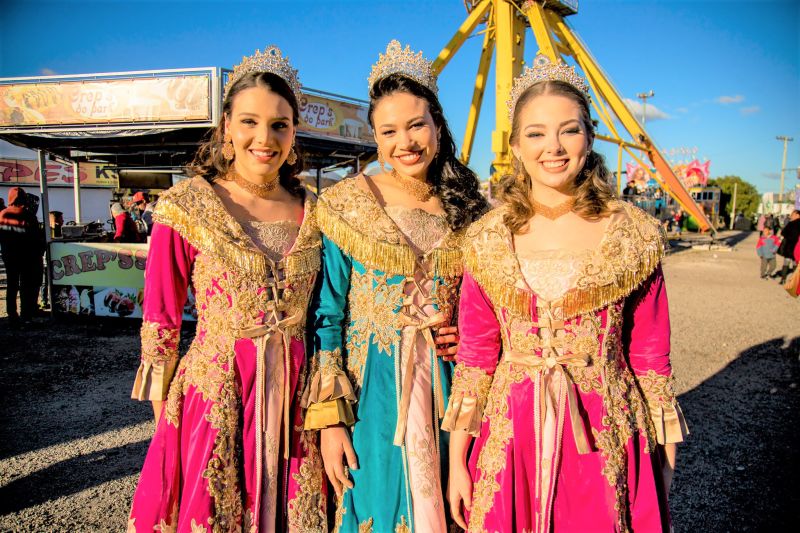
[74,299]
[122,302]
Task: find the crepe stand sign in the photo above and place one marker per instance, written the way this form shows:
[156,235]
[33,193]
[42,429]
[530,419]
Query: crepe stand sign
[101,279]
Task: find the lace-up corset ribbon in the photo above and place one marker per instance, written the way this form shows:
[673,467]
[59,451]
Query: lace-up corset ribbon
[413,314]
[275,322]
[555,357]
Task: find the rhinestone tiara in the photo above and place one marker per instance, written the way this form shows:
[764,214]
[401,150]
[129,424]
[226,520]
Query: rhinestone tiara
[399,60]
[544,70]
[270,60]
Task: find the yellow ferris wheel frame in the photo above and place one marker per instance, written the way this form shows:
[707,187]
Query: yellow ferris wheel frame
[505,27]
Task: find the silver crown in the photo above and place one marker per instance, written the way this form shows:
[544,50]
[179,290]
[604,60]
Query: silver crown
[544,70]
[398,60]
[270,60]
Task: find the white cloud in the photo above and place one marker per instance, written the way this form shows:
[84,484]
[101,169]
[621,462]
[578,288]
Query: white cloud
[653,113]
[750,110]
[771,175]
[682,110]
[725,100]
[47,72]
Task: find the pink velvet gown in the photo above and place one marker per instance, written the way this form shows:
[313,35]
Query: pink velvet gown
[229,453]
[564,378]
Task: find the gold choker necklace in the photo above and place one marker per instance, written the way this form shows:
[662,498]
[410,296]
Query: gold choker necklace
[260,190]
[553,212]
[420,190]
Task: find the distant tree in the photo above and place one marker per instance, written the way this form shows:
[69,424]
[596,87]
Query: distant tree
[747,196]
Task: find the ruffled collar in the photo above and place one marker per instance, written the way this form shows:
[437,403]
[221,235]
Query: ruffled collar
[630,250]
[194,210]
[354,220]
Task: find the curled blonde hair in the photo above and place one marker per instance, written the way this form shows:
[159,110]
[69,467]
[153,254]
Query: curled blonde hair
[593,193]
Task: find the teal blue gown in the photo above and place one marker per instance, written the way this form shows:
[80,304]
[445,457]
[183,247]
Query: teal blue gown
[371,342]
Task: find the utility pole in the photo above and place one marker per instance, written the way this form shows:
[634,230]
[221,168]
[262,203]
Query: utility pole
[643,97]
[786,140]
[733,208]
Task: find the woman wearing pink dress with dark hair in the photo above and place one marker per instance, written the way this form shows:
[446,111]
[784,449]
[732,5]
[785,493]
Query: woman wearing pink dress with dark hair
[229,452]
[563,375]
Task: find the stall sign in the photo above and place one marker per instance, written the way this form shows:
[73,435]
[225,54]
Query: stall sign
[26,172]
[95,102]
[99,264]
[334,118]
[102,279]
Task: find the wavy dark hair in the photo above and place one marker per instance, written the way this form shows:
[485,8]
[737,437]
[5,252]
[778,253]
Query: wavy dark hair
[455,185]
[593,193]
[211,165]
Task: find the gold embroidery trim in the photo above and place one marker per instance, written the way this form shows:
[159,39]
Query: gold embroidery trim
[328,397]
[469,392]
[381,249]
[218,235]
[665,413]
[629,253]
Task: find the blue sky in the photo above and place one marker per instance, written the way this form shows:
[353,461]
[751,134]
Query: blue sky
[726,73]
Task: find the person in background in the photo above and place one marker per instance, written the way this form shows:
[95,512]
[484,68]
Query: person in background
[629,190]
[143,209]
[790,234]
[19,242]
[766,248]
[56,223]
[125,228]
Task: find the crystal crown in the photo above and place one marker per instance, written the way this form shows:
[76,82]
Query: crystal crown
[270,60]
[399,60]
[544,70]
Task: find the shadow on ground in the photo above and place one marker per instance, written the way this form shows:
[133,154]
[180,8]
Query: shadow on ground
[738,469]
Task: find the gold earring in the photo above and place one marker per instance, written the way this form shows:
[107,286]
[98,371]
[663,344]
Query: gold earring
[227,148]
[292,157]
[381,162]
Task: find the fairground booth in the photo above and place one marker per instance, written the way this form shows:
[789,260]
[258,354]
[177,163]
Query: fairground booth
[126,132]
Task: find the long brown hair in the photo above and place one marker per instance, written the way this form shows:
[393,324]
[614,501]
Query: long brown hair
[453,182]
[209,162]
[593,193]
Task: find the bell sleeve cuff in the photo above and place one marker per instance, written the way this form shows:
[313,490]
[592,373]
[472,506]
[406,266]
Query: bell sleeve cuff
[158,362]
[469,393]
[329,396]
[665,413]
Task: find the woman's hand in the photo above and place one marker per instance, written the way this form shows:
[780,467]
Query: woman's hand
[459,491]
[447,342]
[335,443]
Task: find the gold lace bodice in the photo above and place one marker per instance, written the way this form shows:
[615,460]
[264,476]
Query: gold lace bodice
[551,273]
[274,239]
[421,229]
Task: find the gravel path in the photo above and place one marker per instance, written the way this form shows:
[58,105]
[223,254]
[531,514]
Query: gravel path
[72,443]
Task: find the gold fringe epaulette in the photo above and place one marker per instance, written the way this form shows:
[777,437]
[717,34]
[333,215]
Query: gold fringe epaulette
[201,219]
[378,244]
[489,258]
[628,255]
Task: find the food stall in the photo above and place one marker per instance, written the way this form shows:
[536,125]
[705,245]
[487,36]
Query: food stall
[130,131]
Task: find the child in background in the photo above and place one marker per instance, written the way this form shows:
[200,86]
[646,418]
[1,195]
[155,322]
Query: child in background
[766,248]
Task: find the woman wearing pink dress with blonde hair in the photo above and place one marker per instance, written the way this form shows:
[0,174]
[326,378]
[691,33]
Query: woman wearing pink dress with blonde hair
[229,452]
[563,375]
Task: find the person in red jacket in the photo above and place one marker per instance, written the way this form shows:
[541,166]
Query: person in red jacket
[21,246]
[125,227]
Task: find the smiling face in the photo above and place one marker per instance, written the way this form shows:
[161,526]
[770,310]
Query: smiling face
[553,141]
[406,133]
[261,129]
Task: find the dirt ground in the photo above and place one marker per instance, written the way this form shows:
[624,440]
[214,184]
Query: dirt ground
[72,442]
